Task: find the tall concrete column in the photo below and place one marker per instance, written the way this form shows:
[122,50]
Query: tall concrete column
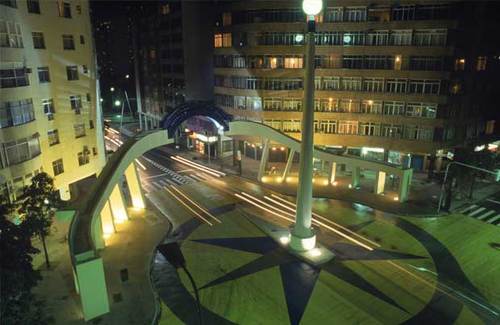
[118,205]
[97,234]
[288,165]
[302,235]
[134,187]
[379,185]
[107,222]
[92,288]
[332,172]
[404,185]
[356,174]
[263,160]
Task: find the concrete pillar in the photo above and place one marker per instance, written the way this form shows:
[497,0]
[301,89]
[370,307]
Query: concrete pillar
[92,288]
[289,164]
[134,187]
[379,182]
[107,222]
[332,172]
[263,160]
[97,234]
[64,193]
[356,173]
[404,185]
[118,205]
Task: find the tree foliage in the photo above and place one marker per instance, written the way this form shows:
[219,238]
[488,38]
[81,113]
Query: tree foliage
[37,205]
[18,304]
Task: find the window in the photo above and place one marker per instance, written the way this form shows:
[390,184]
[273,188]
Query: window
[403,13]
[72,72]
[369,128]
[68,42]
[89,99]
[10,34]
[43,74]
[330,83]
[254,103]
[85,69]
[426,63]
[328,38]
[373,84]
[21,150]
[481,63]
[58,167]
[352,62]
[16,112]
[355,14]
[64,9]
[83,157]
[326,126]
[423,86]
[292,104]
[460,64]
[33,6]
[82,39]
[400,37]
[38,40]
[348,127]
[398,61]
[79,130]
[48,108]
[272,104]
[421,110]
[53,136]
[391,131]
[293,62]
[76,103]
[351,83]
[415,132]
[349,106]
[226,19]
[430,37]
[91,124]
[218,40]
[353,38]
[9,3]
[291,126]
[371,106]
[333,15]
[226,40]
[94,151]
[378,37]
[328,105]
[394,108]
[396,85]
[11,78]
[378,62]
[165,9]
[79,9]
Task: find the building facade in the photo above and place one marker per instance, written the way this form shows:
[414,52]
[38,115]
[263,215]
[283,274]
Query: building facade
[390,81]
[48,114]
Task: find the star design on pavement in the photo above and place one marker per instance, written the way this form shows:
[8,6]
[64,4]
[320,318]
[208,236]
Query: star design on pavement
[298,277]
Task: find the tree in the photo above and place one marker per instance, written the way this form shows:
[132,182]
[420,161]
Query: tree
[37,205]
[18,305]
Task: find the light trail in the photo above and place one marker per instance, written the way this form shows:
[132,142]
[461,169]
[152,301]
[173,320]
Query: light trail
[200,165]
[313,220]
[187,206]
[110,129]
[112,141]
[140,164]
[320,217]
[195,166]
[265,209]
[196,204]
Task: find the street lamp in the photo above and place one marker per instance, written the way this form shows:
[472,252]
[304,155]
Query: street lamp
[117,103]
[112,89]
[127,76]
[302,237]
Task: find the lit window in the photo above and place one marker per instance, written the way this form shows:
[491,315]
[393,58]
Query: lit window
[293,63]
[273,63]
[226,40]
[481,63]
[397,62]
[79,130]
[10,34]
[58,167]
[165,9]
[459,64]
[218,40]
[53,136]
[38,40]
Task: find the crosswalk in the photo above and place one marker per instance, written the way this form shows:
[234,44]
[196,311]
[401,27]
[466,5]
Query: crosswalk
[483,212]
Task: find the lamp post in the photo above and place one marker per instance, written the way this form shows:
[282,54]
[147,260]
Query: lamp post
[302,236]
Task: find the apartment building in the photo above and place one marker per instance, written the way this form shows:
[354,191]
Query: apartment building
[48,116]
[390,77]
